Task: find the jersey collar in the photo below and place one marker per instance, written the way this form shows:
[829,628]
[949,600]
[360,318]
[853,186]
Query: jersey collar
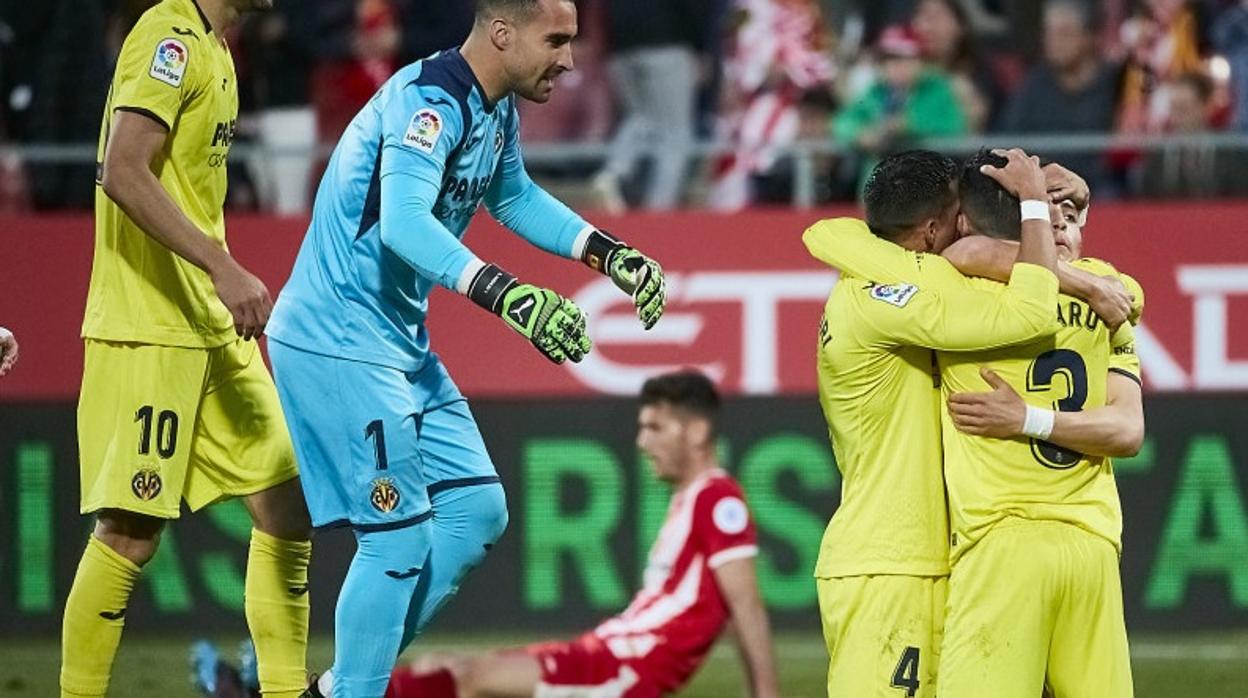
[461,64]
[203,17]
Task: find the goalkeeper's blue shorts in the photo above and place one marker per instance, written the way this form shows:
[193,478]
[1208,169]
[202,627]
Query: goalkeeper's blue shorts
[374,443]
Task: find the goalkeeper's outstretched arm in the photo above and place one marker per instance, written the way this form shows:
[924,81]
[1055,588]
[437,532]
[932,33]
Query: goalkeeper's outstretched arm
[517,202]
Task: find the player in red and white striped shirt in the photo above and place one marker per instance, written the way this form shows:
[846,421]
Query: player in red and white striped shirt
[699,576]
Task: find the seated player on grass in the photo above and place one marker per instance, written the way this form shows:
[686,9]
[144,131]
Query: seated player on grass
[699,578]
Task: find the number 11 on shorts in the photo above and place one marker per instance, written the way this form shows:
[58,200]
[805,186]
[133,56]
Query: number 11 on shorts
[906,675]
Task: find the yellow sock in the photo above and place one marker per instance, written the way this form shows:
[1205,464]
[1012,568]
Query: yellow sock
[94,616]
[276,604]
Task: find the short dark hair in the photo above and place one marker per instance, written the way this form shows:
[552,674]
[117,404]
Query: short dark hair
[688,390]
[487,9]
[988,207]
[907,188]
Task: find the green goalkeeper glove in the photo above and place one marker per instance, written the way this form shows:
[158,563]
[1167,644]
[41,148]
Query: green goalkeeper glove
[631,271]
[554,324]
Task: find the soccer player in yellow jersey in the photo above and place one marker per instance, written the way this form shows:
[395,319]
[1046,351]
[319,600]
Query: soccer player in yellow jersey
[176,403]
[1032,491]
[1024,505]
[883,564]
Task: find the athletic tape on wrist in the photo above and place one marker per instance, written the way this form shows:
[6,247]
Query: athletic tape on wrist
[1038,422]
[489,286]
[1034,210]
[598,250]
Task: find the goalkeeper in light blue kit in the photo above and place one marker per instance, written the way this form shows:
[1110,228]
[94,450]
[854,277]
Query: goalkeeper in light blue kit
[385,441]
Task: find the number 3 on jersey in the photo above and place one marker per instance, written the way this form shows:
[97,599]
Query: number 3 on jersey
[906,675]
[1040,377]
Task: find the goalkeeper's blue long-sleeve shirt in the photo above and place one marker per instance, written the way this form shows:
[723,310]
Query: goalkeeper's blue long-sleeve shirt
[400,189]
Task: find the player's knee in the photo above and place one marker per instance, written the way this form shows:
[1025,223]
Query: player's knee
[403,551]
[491,514]
[133,536]
[281,512]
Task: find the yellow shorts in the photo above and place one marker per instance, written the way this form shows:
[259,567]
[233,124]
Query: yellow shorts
[1036,604]
[159,424]
[883,634]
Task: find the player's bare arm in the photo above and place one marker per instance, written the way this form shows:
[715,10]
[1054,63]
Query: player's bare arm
[1115,430]
[739,584]
[8,351]
[1023,177]
[134,142]
[991,258]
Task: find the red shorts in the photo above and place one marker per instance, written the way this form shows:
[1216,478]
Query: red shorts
[586,664]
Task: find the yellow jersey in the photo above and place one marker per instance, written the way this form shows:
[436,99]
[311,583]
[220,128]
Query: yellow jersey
[992,480]
[173,68]
[880,395]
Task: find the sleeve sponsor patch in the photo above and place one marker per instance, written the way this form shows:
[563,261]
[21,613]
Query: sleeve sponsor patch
[730,515]
[424,130]
[894,294]
[169,62]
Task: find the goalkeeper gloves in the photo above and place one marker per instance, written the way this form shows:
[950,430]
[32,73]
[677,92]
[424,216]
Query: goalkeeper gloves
[631,271]
[554,324]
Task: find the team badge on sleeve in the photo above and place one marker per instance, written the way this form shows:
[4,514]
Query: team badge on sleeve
[169,63]
[730,515]
[894,294]
[424,130]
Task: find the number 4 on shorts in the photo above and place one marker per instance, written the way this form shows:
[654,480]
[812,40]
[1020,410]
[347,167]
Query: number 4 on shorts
[906,675]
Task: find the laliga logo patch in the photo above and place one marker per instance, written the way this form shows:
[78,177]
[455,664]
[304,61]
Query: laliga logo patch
[894,294]
[385,496]
[146,484]
[730,515]
[424,130]
[169,63]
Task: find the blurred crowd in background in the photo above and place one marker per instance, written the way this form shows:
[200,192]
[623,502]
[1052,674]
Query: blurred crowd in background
[656,81]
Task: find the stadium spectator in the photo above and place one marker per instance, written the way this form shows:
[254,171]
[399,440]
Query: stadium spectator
[1230,37]
[357,49]
[278,49]
[1074,90]
[946,40]
[8,351]
[1164,40]
[655,51]
[776,59]
[906,103]
[1186,170]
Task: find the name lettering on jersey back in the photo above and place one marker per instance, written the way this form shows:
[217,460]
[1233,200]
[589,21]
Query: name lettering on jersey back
[1077,314]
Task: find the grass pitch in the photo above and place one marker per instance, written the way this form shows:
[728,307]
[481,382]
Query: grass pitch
[1172,666]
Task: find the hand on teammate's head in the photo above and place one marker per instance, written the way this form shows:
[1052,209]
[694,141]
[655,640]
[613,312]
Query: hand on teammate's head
[1020,174]
[8,351]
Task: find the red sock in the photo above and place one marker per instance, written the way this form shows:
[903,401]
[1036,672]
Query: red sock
[405,683]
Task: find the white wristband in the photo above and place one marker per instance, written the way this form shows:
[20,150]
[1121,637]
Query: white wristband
[1038,422]
[1034,210]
